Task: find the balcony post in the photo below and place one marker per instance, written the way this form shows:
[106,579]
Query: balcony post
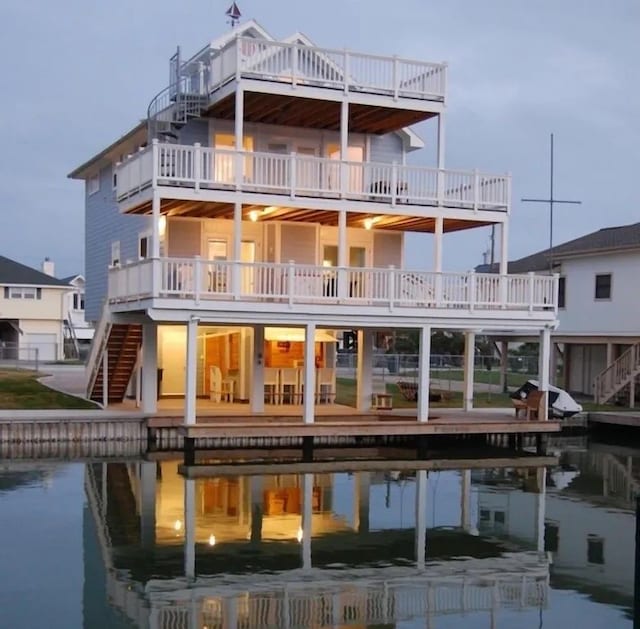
[197,279]
[190,373]
[154,165]
[291,281]
[309,372]
[342,255]
[424,361]
[292,175]
[441,140]
[396,78]
[237,246]
[504,263]
[543,370]
[471,290]
[394,184]
[346,72]
[150,388]
[294,65]
[469,365]
[391,285]
[476,190]
[344,147]
[531,289]
[197,166]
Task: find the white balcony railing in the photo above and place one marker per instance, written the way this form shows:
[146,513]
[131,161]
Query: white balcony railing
[297,64]
[200,280]
[304,176]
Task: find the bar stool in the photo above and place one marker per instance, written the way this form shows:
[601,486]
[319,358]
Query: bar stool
[271,385]
[289,385]
[325,385]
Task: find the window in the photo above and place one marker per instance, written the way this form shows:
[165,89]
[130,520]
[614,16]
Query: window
[22,292]
[562,287]
[114,179]
[78,301]
[115,253]
[143,246]
[93,184]
[603,286]
[595,549]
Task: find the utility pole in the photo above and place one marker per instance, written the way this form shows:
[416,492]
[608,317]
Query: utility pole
[551,201]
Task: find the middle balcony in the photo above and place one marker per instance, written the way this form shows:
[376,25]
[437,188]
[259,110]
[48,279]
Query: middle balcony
[296,180]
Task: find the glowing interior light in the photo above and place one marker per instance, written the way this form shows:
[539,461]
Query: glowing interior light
[253,215]
[177,525]
[368,223]
[299,534]
[212,540]
[162,225]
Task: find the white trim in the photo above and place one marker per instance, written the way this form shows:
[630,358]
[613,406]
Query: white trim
[93,185]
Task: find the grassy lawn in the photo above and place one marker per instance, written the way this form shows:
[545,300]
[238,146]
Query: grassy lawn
[21,390]
[346,394]
[484,376]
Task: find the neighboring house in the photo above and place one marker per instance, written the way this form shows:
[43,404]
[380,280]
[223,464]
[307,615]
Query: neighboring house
[79,330]
[263,206]
[599,330]
[31,312]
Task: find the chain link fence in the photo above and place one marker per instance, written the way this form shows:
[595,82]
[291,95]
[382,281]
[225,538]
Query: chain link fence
[14,356]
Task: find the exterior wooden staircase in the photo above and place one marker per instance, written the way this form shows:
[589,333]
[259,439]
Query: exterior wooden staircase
[619,379]
[121,341]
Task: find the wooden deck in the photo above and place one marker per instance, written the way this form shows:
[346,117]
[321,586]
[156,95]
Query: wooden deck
[277,423]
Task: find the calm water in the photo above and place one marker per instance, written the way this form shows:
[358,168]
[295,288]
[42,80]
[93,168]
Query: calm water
[133,544]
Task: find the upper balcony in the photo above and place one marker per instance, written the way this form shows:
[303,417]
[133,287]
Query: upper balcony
[191,172]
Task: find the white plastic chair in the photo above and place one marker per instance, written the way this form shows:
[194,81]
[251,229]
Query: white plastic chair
[325,385]
[289,385]
[271,385]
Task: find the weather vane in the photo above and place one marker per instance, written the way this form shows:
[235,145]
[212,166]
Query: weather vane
[233,13]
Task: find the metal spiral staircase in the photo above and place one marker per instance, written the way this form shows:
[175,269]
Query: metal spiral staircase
[185,98]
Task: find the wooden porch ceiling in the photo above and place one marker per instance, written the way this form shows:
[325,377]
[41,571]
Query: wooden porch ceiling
[295,111]
[202,209]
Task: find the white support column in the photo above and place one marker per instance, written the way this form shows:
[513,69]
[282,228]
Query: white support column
[553,364]
[149,393]
[342,254]
[424,362]
[469,364]
[148,485]
[504,365]
[543,369]
[307,517]
[441,140]
[421,518]
[257,384]
[364,376]
[189,528]
[309,372]
[105,378]
[239,136]
[156,271]
[610,354]
[344,145]
[190,373]
[504,247]
[437,244]
[465,500]
[237,247]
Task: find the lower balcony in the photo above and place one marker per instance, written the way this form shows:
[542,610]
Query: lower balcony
[224,286]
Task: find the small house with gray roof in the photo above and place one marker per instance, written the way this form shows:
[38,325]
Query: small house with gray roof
[32,312]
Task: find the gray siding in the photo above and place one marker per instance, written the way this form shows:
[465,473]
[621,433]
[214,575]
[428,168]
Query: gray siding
[386,148]
[103,225]
[196,130]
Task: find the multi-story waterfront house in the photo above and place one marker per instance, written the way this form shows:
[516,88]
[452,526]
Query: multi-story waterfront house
[263,205]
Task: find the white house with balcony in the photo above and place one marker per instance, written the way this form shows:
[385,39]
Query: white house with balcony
[598,334]
[262,207]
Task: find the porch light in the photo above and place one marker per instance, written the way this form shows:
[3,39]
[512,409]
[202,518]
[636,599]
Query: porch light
[299,534]
[370,222]
[212,540]
[253,215]
[177,525]
[162,225]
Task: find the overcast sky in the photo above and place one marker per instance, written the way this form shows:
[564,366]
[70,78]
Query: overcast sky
[79,73]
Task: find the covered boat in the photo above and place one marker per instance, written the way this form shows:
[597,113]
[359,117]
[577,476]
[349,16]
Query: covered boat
[561,404]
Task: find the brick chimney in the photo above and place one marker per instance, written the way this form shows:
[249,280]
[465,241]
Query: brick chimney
[49,267]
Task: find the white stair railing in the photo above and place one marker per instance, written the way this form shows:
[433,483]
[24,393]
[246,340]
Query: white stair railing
[98,346]
[618,374]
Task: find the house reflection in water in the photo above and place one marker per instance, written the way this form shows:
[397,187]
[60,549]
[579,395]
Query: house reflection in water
[297,550]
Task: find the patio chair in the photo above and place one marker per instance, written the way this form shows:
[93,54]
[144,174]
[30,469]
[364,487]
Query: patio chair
[289,391]
[271,385]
